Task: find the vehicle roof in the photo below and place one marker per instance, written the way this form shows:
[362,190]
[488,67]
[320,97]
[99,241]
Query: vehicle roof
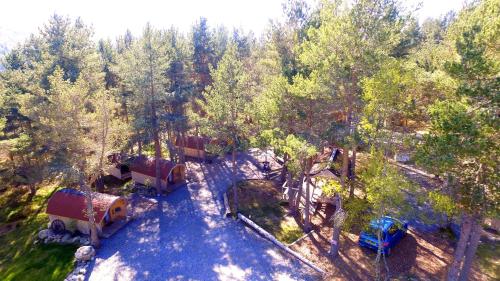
[383,223]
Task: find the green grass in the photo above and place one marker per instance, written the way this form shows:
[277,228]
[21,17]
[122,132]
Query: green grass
[488,257]
[259,200]
[20,259]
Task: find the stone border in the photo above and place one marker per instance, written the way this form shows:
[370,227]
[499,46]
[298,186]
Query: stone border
[282,246]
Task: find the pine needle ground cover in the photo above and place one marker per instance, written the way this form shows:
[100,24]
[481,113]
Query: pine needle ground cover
[260,201]
[20,259]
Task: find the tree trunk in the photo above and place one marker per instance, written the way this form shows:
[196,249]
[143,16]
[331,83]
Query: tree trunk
[94,238]
[352,171]
[139,147]
[291,194]
[233,179]
[157,163]
[284,171]
[32,193]
[307,215]
[460,249]
[298,194]
[470,253]
[335,244]
[345,167]
[99,183]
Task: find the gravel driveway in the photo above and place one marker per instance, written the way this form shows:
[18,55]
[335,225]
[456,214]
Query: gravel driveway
[185,237]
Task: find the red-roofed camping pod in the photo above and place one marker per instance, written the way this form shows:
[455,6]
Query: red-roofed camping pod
[193,146]
[143,171]
[67,210]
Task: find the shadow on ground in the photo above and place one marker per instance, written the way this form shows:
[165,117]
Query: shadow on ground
[185,237]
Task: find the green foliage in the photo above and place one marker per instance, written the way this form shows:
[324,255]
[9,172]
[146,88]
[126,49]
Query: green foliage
[226,100]
[384,186]
[463,139]
[358,214]
[331,187]
[260,201]
[442,203]
[22,260]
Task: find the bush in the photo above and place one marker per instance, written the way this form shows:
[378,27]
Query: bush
[358,215]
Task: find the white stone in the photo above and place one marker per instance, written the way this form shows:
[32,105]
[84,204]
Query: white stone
[85,253]
[66,239]
[84,241]
[44,233]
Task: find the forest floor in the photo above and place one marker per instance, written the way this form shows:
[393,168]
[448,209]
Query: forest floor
[260,201]
[420,255]
[424,254]
[20,259]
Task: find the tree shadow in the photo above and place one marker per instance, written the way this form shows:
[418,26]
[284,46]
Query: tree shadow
[186,237]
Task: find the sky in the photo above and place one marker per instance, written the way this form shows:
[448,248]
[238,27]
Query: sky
[110,18]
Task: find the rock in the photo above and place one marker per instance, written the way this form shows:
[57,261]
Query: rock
[85,253]
[75,240]
[84,241]
[44,233]
[82,271]
[66,239]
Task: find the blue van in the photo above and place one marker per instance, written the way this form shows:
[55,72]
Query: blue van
[392,230]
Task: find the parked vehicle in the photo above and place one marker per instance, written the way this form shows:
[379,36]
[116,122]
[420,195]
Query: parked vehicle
[391,230]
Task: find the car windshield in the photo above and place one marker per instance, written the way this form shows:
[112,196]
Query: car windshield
[372,232]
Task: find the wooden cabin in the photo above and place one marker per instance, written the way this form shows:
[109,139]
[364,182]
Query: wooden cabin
[143,171]
[193,146]
[67,210]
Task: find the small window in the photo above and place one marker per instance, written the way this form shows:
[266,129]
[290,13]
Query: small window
[118,209]
[393,229]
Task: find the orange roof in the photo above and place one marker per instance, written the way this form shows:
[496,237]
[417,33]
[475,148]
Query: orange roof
[71,203]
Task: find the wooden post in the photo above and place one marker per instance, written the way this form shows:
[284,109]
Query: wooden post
[279,244]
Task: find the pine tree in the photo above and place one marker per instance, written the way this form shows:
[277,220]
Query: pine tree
[225,106]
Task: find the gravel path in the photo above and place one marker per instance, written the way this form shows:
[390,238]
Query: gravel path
[185,237]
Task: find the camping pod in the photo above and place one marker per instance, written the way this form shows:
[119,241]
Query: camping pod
[67,210]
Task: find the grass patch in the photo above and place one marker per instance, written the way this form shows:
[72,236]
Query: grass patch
[260,201]
[488,258]
[20,259]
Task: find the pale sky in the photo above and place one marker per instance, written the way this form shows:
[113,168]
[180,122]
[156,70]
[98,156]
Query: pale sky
[110,18]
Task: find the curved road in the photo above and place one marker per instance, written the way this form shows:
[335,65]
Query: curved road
[185,237]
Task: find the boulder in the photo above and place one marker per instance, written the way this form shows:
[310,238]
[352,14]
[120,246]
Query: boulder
[44,233]
[84,241]
[85,253]
[66,239]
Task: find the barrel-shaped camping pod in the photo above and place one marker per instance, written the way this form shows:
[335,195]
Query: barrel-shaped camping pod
[67,210]
[143,170]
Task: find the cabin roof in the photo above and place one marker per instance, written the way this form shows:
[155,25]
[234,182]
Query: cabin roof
[147,166]
[71,203]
